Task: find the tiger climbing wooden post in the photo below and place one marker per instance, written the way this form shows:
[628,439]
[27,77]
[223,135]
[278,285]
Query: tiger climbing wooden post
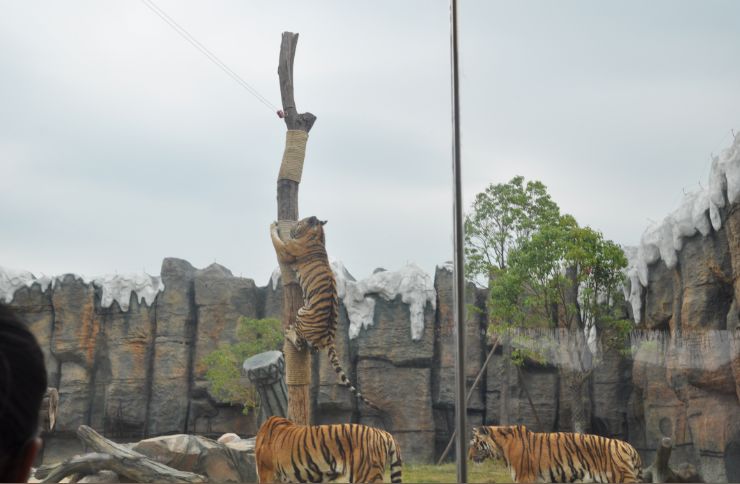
[297,363]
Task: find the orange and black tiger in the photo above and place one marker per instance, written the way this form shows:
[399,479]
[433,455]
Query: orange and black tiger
[557,457]
[286,452]
[316,322]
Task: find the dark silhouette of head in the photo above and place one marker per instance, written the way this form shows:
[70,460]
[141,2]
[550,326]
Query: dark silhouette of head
[22,387]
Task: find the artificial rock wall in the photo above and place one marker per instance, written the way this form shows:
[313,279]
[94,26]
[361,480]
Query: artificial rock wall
[686,370]
[138,373]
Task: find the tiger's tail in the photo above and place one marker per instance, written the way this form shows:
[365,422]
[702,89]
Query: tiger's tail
[343,376]
[394,454]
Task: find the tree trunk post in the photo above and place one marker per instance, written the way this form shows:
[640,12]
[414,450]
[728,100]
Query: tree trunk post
[297,363]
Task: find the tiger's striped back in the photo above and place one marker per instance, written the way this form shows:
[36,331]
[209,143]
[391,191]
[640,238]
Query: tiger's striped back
[557,456]
[316,321]
[287,452]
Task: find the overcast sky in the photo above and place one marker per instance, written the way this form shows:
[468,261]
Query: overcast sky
[120,144]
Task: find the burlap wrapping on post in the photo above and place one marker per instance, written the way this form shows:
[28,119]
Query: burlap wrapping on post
[286,271]
[295,152]
[299,364]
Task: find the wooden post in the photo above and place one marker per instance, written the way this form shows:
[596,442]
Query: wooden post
[297,363]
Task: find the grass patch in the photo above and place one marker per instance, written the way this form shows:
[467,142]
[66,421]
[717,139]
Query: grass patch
[488,471]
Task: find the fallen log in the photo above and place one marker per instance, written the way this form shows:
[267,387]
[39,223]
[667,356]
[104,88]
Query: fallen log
[660,471]
[113,457]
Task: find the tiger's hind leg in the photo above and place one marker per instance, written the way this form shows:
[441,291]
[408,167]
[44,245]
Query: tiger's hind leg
[265,466]
[266,475]
[631,476]
[375,475]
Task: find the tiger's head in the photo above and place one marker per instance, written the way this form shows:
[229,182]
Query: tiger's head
[488,443]
[308,228]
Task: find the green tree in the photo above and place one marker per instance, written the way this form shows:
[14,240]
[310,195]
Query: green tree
[545,271]
[567,277]
[503,216]
[224,364]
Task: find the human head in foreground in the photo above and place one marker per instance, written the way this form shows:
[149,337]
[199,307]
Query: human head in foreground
[22,387]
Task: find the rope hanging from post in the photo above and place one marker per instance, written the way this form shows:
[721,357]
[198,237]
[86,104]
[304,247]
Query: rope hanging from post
[295,152]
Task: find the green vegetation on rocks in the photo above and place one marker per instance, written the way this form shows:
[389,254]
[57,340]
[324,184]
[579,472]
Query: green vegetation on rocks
[225,363]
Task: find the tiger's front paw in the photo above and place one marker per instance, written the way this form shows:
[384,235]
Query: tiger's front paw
[293,337]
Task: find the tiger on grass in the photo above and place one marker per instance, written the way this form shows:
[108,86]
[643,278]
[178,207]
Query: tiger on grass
[286,452]
[316,322]
[556,457]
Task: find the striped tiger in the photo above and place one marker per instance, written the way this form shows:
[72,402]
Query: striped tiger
[556,457]
[286,452]
[316,322]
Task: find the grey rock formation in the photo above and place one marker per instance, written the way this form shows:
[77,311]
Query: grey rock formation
[389,338]
[612,388]
[174,336]
[444,389]
[36,309]
[685,376]
[75,339]
[334,402]
[394,372]
[221,300]
[443,369]
[229,462]
[121,379]
[404,396]
[140,372]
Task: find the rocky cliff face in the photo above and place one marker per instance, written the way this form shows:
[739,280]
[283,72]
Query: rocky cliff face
[139,372]
[685,372]
[686,378]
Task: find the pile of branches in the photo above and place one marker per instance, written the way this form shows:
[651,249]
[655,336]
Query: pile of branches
[110,456]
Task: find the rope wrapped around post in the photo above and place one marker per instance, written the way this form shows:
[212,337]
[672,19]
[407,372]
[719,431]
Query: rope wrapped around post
[291,167]
[300,362]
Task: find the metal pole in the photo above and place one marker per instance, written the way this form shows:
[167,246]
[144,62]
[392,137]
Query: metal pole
[458,262]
